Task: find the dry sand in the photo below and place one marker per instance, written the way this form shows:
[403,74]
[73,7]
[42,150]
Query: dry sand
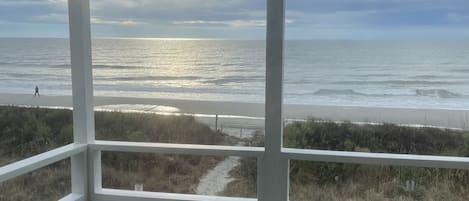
[237,112]
[215,181]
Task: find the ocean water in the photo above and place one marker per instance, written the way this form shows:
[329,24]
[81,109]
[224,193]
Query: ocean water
[415,74]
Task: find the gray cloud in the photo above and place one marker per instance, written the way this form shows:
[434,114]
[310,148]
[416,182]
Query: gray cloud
[197,18]
[51,18]
[458,18]
[121,22]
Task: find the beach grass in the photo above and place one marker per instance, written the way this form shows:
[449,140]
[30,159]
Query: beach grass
[50,183]
[28,131]
[311,181]
[25,132]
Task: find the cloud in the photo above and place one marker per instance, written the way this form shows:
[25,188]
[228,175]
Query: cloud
[32,2]
[231,23]
[333,19]
[63,19]
[19,2]
[178,10]
[458,18]
[162,18]
[51,18]
[125,22]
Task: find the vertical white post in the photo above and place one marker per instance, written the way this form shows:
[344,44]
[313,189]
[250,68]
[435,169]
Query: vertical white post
[82,88]
[273,169]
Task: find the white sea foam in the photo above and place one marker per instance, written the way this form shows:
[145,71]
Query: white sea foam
[139,108]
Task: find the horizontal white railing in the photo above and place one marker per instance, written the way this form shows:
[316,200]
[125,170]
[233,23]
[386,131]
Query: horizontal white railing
[366,158]
[424,161]
[125,195]
[166,148]
[33,163]
[27,165]
[272,160]
[73,197]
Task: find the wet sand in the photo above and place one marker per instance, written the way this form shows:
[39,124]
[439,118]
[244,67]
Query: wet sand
[251,114]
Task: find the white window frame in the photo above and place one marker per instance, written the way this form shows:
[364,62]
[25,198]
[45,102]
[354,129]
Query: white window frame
[273,159]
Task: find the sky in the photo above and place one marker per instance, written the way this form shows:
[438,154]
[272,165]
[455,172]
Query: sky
[244,19]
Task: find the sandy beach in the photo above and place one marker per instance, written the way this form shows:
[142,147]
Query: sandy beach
[250,115]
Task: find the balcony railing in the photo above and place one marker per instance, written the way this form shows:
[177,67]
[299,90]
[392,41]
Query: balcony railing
[273,159]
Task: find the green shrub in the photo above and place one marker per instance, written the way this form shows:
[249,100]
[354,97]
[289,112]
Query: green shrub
[25,132]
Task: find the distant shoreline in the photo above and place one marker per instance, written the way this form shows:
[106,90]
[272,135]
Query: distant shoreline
[254,112]
[245,39]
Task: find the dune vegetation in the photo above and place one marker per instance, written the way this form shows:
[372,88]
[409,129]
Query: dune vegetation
[318,181]
[28,131]
[25,132]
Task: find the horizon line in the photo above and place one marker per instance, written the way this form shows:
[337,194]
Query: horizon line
[233,39]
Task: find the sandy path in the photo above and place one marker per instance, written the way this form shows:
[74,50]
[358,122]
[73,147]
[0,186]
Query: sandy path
[216,179]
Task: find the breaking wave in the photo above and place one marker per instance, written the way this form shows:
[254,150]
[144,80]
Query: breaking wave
[439,93]
[325,92]
[436,93]
[149,78]
[398,82]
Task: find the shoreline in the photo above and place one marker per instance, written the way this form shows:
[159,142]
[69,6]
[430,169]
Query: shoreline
[251,114]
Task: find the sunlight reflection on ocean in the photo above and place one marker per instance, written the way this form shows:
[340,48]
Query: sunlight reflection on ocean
[364,73]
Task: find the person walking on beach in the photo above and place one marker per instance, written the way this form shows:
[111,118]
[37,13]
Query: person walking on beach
[36,92]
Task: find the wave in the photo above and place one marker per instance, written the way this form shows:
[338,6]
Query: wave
[427,77]
[236,64]
[236,79]
[460,70]
[176,90]
[398,82]
[439,93]
[447,63]
[145,67]
[324,92]
[230,64]
[144,78]
[373,75]
[24,75]
[102,66]
[117,67]
[61,66]
[435,93]
[35,76]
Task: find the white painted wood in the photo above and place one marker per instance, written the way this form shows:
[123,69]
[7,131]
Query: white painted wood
[124,195]
[273,160]
[273,170]
[78,173]
[30,164]
[377,158]
[82,80]
[94,162]
[187,149]
[73,197]
[82,87]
